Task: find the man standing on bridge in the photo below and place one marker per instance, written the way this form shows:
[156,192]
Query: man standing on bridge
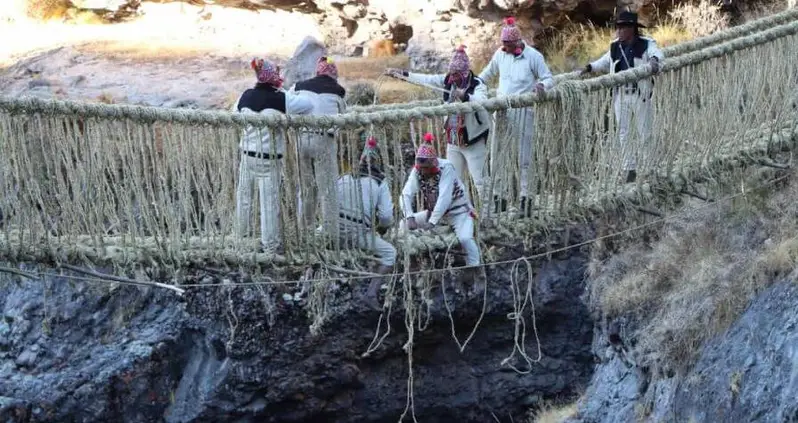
[444,197]
[317,150]
[630,50]
[262,154]
[521,69]
[466,134]
[366,211]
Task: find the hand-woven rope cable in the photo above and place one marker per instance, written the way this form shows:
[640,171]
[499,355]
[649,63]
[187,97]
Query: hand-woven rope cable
[669,52]
[146,114]
[118,191]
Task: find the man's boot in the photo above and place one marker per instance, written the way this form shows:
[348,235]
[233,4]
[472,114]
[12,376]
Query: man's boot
[372,294]
[631,176]
[473,280]
[526,207]
[479,281]
[499,204]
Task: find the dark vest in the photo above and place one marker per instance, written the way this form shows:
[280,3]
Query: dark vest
[262,97]
[638,48]
[321,84]
[473,82]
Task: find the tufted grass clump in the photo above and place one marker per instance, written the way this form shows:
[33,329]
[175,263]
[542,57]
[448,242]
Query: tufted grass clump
[701,272]
[361,93]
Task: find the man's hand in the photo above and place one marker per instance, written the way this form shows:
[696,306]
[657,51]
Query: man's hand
[393,72]
[540,88]
[458,94]
[411,224]
[654,62]
[584,70]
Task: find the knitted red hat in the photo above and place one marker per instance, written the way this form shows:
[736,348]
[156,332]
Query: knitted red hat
[325,66]
[266,72]
[460,62]
[510,32]
[426,150]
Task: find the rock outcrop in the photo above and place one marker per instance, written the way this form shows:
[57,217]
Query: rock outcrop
[73,351]
[747,374]
[429,30]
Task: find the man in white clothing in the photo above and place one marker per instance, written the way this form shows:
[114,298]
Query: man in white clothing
[466,134]
[366,210]
[521,69]
[630,50]
[262,154]
[317,150]
[444,197]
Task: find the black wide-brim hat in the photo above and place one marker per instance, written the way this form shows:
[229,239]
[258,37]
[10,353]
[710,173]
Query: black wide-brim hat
[628,19]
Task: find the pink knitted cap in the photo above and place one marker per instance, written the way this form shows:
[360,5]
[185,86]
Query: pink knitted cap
[325,66]
[510,32]
[460,62]
[370,150]
[266,72]
[426,150]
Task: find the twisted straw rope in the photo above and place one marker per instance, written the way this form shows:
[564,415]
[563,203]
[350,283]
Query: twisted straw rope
[764,141]
[669,52]
[353,120]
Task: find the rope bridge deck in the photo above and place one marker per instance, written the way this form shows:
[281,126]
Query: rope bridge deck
[139,186]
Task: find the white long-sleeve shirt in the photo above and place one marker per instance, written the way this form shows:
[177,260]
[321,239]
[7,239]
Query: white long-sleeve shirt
[449,187]
[365,199]
[259,140]
[518,75]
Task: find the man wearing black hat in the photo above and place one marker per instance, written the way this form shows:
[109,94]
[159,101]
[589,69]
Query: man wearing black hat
[630,50]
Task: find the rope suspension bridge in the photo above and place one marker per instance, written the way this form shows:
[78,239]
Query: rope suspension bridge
[151,191]
[141,187]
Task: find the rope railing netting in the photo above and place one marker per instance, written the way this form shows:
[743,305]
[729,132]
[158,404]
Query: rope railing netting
[144,186]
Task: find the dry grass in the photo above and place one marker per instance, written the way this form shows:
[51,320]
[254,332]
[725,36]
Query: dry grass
[553,413]
[578,44]
[700,275]
[47,9]
[389,90]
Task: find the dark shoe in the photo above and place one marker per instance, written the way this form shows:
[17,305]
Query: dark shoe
[480,282]
[499,204]
[371,296]
[371,301]
[631,176]
[526,207]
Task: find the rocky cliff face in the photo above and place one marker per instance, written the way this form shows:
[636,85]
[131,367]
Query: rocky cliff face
[427,29]
[748,374]
[72,351]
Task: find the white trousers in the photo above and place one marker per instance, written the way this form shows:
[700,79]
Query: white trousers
[471,157]
[358,236]
[265,174]
[521,122]
[463,225]
[627,107]
[318,173]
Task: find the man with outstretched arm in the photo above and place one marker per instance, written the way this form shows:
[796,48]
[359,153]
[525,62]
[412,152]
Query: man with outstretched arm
[630,50]
[466,134]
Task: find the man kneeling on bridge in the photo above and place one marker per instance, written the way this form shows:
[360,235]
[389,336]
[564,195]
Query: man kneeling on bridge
[365,205]
[444,197]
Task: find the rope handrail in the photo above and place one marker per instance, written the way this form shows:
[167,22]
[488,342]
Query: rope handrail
[356,119]
[675,50]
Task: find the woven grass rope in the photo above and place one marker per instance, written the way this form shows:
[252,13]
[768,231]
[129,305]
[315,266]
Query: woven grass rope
[143,186]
